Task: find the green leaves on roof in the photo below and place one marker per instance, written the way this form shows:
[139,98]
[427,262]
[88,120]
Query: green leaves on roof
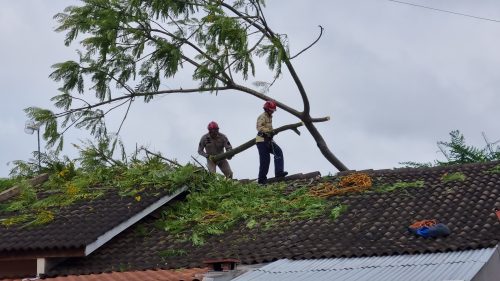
[399,185]
[495,170]
[337,211]
[218,204]
[447,177]
[67,184]
[173,253]
[6,184]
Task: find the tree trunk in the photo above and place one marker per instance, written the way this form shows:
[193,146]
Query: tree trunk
[323,147]
[250,143]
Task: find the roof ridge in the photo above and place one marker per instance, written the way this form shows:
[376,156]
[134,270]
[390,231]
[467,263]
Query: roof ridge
[419,169]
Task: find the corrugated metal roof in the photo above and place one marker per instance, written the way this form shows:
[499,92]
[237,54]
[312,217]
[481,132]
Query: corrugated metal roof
[462,265]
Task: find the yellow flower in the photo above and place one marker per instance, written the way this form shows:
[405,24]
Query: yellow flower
[72,189]
[63,172]
[137,198]
[44,217]
[8,222]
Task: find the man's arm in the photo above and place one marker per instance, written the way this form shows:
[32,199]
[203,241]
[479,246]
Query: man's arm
[227,144]
[201,147]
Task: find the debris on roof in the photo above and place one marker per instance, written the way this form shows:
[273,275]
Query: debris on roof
[361,224]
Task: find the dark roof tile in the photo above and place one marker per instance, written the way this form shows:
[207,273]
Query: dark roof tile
[374,224]
[76,225]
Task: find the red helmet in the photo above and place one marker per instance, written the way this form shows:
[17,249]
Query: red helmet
[212,125]
[270,105]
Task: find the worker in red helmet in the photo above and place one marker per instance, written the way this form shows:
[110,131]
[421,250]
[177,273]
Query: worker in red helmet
[267,146]
[214,143]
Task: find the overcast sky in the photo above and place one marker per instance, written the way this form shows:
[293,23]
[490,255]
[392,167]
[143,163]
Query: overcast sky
[394,78]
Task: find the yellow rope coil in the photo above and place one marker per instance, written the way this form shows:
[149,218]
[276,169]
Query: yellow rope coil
[353,183]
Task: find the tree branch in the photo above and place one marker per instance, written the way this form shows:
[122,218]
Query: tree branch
[161,157]
[251,142]
[266,30]
[129,96]
[315,41]
[264,97]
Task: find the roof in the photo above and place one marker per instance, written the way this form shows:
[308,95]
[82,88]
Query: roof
[374,224]
[80,228]
[146,275]
[460,265]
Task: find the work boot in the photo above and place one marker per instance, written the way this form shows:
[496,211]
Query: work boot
[282,174]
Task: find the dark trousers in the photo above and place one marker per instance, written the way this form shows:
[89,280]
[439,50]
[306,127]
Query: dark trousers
[265,149]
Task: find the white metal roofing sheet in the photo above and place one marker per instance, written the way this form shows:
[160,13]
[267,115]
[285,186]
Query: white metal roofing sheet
[461,265]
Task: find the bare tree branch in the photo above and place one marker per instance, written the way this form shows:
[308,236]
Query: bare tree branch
[161,157]
[315,41]
[133,95]
[201,165]
[125,116]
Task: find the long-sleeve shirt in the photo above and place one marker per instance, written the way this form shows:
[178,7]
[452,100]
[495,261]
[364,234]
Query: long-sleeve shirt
[213,146]
[264,125]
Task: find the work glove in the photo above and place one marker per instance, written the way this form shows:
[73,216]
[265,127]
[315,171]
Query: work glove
[269,135]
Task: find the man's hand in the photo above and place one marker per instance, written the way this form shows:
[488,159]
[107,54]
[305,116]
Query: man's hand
[211,157]
[268,135]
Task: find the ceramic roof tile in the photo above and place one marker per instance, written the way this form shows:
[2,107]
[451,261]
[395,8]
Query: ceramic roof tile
[76,225]
[375,224]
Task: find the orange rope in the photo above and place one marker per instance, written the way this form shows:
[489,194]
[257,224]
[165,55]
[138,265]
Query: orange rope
[353,183]
[422,223]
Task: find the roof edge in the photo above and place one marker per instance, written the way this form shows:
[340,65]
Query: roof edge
[101,240]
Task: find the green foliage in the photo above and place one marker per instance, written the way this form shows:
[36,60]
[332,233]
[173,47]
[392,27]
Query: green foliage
[27,196]
[50,163]
[98,172]
[414,164]
[218,204]
[399,185]
[6,184]
[134,45]
[142,231]
[456,151]
[338,210]
[447,177]
[495,170]
[172,253]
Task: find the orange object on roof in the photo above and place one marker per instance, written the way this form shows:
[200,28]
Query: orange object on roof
[353,183]
[422,223]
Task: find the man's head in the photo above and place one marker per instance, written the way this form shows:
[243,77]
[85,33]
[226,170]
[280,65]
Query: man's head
[213,129]
[270,106]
